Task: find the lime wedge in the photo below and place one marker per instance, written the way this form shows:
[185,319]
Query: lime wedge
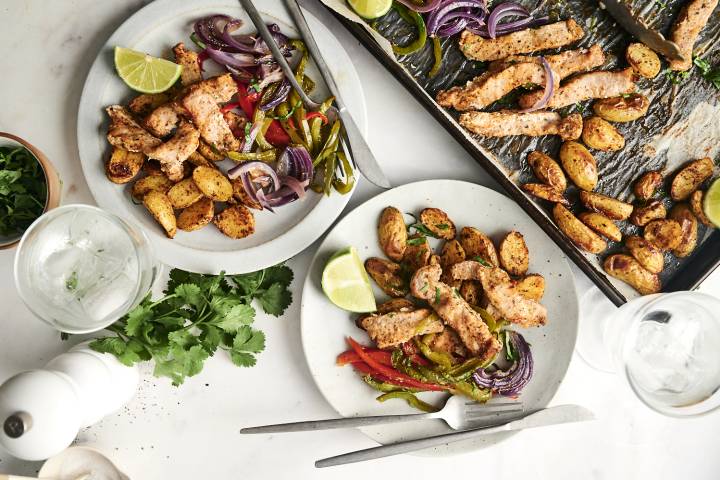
[144,73]
[711,204]
[371,8]
[346,283]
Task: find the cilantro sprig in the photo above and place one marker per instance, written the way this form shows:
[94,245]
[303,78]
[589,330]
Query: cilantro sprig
[197,316]
[23,190]
[709,73]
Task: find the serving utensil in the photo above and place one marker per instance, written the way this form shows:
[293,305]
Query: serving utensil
[458,413]
[655,40]
[549,416]
[353,140]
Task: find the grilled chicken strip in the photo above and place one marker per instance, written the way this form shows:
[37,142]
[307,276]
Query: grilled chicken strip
[394,328]
[202,104]
[145,103]
[175,151]
[455,312]
[449,342]
[163,120]
[692,19]
[190,65]
[601,84]
[504,76]
[529,40]
[535,124]
[502,293]
[125,133]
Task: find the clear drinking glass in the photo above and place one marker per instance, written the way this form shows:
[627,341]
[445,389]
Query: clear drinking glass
[80,268]
[666,346]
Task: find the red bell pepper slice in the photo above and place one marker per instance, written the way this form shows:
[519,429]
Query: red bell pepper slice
[247,99]
[350,356]
[312,115]
[276,135]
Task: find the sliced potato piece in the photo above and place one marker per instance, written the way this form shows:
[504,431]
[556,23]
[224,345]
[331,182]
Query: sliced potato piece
[471,292]
[123,166]
[240,194]
[629,270]
[152,167]
[392,233]
[548,171]
[452,252]
[159,205]
[682,214]
[643,60]
[197,215]
[438,223]
[663,234]
[514,254]
[577,231]
[212,183]
[602,225]
[626,108]
[608,206]
[641,216]
[236,221]
[602,135]
[532,287]
[387,275]
[477,244]
[545,192]
[696,205]
[689,178]
[150,183]
[184,193]
[199,161]
[649,257]
[579,164]
[646,185]
[417,253]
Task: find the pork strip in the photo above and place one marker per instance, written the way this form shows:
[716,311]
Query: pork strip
[535,124]
[564,63]
[692,19]
[175,151]
[394,328]
[125,133]
[190,65]
[207,117]
[163,120]
[449,342]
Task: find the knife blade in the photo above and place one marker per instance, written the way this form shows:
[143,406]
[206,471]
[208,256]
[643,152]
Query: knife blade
[655,40]
[549,416]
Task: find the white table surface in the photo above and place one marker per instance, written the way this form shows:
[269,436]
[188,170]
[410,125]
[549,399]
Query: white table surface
[192,431]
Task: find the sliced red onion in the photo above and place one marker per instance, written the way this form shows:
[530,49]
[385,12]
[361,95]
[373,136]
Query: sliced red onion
[507,9]
[436,19]
[269,74]
[280,95]
[255,168]
[452,28]
[511,381]
[295,162]
[251,136]
[243,43]
[549,88]
[294,184]
[428,7]
[235,60]
[510,27]
[260,195]
[204,29]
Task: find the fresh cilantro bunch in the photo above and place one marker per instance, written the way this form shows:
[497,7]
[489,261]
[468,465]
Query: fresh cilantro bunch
[22,190]
[198,315]
[710,74]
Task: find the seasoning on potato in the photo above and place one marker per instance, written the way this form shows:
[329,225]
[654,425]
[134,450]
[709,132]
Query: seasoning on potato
[184,193]
[150,183]
[417,253]
[649,257]
[579,164]
[643,60]
[577,231]
[689,178]
[601,135]
[545,192]
[236,221]
[626,268]
[532,287]
[159,205]
[438,223]
[387,275]
[641,216]
[682,214]
[627,108]
[123,166]
[471,292]
[452,252]
[548,171]
[696,205]
[646,186]
[602,225]
[197,215]
[610,207]
[663,234]
[514,254]
[477,244]
[212,183]
[392,233]
[241,195]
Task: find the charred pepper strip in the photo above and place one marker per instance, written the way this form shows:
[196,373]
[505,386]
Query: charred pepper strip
[472,391]
[330,144]
[317,123]
[411,399]
[441,359]
[264,156]
[346,186]
[437,53]
[419,42]
[330,163]
[259,119]
[385,386]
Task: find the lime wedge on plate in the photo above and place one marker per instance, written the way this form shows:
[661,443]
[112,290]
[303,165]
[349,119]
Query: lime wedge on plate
[346,283]
[711,204]
[144,73]
[371,8]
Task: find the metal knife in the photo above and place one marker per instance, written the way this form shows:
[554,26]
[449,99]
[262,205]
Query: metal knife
[549,416]
[655,40]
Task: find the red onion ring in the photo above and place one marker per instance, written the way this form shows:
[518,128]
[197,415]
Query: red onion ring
[428,7]
[549,88]
[511,381]
[507,9]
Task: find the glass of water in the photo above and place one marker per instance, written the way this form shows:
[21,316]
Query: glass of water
[79,268]
[666,346]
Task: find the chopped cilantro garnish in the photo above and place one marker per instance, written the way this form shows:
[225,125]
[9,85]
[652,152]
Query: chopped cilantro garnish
[416,241]
[437,295]
[72,282]
[482,261]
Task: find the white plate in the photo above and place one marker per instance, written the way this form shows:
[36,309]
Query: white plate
[155,29]
[325,327]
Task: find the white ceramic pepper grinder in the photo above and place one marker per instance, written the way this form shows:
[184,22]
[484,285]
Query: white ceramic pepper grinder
[41,411]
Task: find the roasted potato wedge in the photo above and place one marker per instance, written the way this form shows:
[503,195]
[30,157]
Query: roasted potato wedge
[150,183]
[548,171]
[646,186]
[197,215]
[649,257]
[434,260]
[152,167]
[577,231]
[579,164]
[396,305]
[696,205]
[682,214]
[199,161]
[545,192]
[608,206]
[532,287]
[388,276]
[622,109]
[212,183]
[643,60]
[159,205]
[689,178]
[123,166]
[641,216]
[452,252]
[602,135]
[392,233]
[184,193]
[602,225]
[241,195]
[209,152]
[663,234]
[471,292]
[514,254]
[417,253]
[477,244]
[438,223]
[236,221]
[629,270]
[570,127]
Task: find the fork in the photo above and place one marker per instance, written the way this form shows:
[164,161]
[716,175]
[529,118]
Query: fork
[458,413]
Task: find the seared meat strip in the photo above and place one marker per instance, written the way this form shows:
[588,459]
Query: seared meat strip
[529,40]
[394,328]
[190,64]
[455,312]
[449,342]
[534,124]
[125,133]
[163,120]
[175,151]
[147,102]
[220,88]
[692,19]
[602,84]
[502,293]
[506,75]
[202,104]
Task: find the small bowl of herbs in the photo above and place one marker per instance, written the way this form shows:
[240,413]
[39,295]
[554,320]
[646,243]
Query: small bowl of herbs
[29,186]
